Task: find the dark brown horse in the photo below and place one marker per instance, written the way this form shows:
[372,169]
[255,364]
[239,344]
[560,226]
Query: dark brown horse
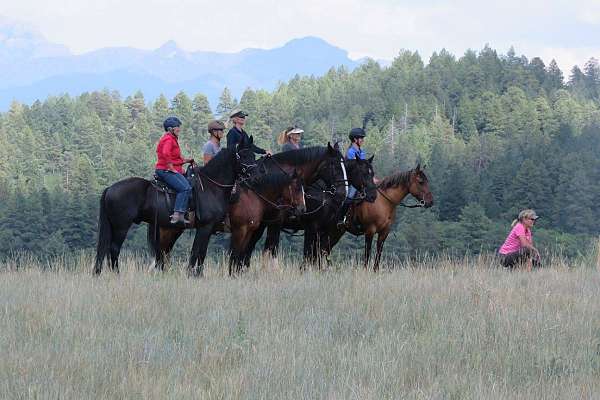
[135,200]
[378,217]
[264,199]
[324,200]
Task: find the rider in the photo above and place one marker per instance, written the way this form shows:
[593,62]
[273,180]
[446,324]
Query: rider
[290,138]
[357,137]
[213,145]
[169,167]
[237,132]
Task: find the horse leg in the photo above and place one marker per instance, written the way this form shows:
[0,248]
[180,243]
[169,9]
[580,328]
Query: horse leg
[380,241]
[239,239]
[309,246]
[368,243]
[168,237]
[272,240]
[256,235]
[199,249]
[118,237]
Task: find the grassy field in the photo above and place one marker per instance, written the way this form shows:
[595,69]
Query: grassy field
[433,330]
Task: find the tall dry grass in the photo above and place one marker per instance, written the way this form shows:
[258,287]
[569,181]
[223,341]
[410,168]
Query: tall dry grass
[437,329]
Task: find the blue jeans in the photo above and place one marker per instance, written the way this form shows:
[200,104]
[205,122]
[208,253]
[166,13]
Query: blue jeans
[178,183]
[351,192]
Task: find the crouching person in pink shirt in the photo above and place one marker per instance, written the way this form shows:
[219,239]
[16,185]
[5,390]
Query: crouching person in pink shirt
[518,247]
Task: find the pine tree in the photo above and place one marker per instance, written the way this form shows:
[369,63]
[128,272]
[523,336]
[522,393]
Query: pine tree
[226,104]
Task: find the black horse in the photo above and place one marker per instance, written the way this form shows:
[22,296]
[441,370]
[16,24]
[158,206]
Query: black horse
[310,164]
[136,200]
[324,198]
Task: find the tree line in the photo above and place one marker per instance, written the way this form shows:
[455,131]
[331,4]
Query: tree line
[497,132]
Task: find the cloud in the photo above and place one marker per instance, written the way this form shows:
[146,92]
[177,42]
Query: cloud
[375,28]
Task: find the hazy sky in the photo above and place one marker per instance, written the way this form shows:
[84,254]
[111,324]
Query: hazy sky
[568,30]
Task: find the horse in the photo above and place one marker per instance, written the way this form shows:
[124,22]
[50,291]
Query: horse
[324,198]
[309,163]
[378,217]
[136,200]
[264,198]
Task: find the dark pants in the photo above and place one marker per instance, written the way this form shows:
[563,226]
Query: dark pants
[178,183]
[518,257]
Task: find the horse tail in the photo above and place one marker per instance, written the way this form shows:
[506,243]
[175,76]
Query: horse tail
[104,234]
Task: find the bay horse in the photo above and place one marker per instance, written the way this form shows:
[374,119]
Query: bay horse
[264,198]
[378,217]
[323,199]
[309,163]
[136,200]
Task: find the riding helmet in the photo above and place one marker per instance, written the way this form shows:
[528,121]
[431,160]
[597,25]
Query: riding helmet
[356,133]
[171,122]
[216,126]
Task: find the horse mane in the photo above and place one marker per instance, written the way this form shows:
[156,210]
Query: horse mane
[216,164]
[273,180]
[300,156]
[395,180]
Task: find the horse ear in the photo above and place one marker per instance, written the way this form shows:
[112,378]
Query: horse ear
[371,159]
[336,146]
[329,148]
[251,139]
[418,168]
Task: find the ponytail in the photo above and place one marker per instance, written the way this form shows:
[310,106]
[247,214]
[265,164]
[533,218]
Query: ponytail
[282,137]
[516,221]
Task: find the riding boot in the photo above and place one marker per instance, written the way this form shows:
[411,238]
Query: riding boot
[179,217]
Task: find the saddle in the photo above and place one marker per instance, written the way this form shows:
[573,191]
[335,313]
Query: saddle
[170,194]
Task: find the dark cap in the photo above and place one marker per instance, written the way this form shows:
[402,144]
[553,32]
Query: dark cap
[357,133]
[238,113]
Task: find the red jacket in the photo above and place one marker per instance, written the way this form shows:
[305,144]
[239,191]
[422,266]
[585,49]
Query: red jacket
[168,151]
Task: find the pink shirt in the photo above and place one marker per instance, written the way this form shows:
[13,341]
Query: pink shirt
[512,243]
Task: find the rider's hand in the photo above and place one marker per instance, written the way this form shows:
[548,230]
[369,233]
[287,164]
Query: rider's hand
[269,154]
[189,160]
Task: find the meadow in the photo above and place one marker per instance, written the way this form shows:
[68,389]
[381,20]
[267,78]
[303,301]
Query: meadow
[434,329]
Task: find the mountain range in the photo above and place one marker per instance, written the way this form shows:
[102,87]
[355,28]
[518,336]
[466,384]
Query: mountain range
[32,68]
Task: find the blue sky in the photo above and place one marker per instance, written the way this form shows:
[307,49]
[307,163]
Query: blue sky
[566,30]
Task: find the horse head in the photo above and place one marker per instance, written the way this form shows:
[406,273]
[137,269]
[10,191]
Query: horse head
[294,196]
[419,186]
[244,156]
[360,175]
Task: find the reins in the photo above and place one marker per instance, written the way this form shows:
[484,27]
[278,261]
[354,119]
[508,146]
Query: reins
[420,204]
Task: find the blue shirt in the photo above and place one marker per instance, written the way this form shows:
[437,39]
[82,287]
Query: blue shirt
[352,152]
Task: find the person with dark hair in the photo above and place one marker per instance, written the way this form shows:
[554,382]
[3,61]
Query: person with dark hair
[237,132]
[213,145]
[355,151]
[357,138]
[518,247]
[169,168]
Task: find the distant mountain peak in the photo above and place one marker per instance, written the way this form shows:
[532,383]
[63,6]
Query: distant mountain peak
[170,49]
[19,40]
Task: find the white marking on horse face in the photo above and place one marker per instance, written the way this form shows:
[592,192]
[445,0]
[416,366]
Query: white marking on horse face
[345,177]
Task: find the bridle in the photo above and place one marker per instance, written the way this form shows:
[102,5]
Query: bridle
[246,181]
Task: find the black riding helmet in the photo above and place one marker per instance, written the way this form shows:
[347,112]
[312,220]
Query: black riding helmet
[171,122]
[356,133]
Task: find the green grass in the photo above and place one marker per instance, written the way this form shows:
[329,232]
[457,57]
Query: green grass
[456,331]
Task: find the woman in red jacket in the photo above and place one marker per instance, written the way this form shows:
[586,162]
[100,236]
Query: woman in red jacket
[169,168]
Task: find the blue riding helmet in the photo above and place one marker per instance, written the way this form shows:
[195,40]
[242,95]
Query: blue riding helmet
[171,122]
